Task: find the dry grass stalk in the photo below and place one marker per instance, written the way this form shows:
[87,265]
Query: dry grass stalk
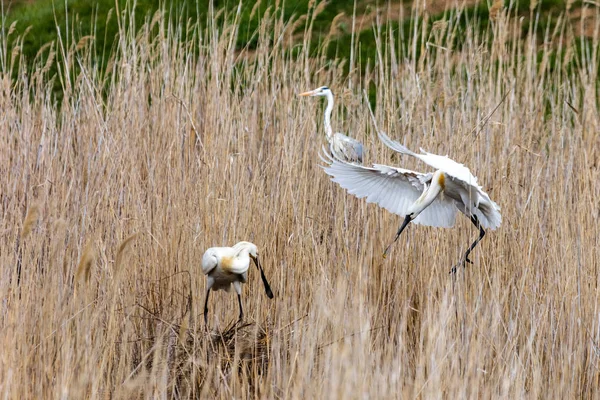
[86,261]
[121,251]
[512,325]
[496,9]
[83,42]
[49,60]
[11,28]
[255,8]
[334,28]
[31,218]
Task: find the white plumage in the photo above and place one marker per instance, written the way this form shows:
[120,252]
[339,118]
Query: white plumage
[394,189]
[228,266]
[430,199]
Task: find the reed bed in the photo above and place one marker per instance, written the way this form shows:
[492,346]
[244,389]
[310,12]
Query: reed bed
[183,141]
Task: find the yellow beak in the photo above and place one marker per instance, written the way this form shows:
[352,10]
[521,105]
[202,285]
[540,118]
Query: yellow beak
[307,93]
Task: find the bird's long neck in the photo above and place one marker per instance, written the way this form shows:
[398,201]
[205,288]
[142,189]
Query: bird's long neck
[240,249]
[328,130]
[429,195]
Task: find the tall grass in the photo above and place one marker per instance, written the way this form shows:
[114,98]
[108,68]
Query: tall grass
[110,198]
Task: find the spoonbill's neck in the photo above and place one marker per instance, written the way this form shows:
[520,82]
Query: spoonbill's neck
[429,195]
[241,249]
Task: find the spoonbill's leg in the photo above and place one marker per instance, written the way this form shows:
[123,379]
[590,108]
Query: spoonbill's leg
[407,219]
[475,222]
[465,259]
[238,289]
[241,309]
[206,307]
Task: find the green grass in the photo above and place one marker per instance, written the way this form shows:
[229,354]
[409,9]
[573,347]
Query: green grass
[98,18]
[83,17]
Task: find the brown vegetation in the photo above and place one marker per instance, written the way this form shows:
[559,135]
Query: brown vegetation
[182,146]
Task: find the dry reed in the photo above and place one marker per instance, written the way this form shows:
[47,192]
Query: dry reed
[235,158]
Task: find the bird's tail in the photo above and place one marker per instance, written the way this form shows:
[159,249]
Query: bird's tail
[392,144]
[331,156]
[490,214]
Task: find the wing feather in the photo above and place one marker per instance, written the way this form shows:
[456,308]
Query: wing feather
[350,149]
[394,189]
[209,261]
[235,265]
[487,211]
[442,163]
[475,201]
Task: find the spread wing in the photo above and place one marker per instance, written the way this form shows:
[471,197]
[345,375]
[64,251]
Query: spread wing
[442,163]
[486,210]
[394,189]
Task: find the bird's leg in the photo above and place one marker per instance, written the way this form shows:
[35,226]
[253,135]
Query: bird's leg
[465,259]
[241,309]
[475,222]
[206,308]
[407,219]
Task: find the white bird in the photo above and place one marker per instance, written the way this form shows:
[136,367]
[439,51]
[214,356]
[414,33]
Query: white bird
[226,266]
[341,145]
[430,199]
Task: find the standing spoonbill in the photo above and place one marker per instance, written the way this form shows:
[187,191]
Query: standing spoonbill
[348,149]
[224,266]
[430,199]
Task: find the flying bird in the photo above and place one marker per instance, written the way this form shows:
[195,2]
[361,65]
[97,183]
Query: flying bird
[430,199]
[226,266]
[344,147]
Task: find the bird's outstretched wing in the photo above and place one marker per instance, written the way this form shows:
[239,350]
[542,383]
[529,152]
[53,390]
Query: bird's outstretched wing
[394,189]
[486,210]
[442,163]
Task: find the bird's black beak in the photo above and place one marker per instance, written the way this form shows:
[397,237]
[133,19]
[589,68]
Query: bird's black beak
[263,277]
[407,220]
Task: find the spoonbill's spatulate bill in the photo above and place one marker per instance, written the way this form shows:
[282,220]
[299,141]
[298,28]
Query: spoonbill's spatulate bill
[227,266]
[430,199]
[345,147]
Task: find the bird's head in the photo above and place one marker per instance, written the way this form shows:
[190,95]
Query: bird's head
[321,91]
[249,247]
[253,253]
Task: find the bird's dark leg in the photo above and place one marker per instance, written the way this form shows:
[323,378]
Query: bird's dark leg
[241,309]
[475,222]
[206,308]
[407,219]
[465,258]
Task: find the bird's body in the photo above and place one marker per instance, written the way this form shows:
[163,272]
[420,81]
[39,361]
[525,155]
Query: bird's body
[228,266]
[223,267]
[430,199]
[340,145]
